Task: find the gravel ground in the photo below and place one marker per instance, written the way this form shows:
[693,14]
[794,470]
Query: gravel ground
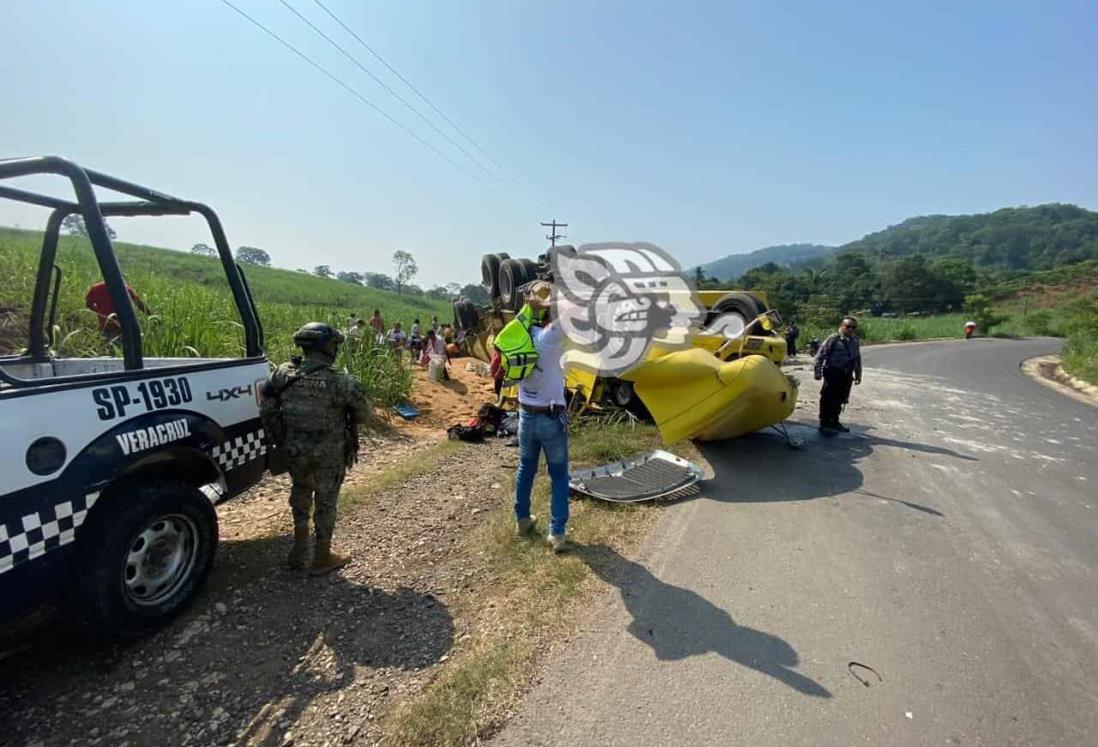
[266,656]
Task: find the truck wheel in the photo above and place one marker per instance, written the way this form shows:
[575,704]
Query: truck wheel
[513,274]
[489,272]
[736,304]
[621,393]
[465,315]
[144,556]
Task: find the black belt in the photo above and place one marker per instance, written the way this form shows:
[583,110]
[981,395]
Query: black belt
[550,410]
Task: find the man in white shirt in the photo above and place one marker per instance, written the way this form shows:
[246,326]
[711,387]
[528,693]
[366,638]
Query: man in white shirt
[415,341]
[357,330]
[543,425]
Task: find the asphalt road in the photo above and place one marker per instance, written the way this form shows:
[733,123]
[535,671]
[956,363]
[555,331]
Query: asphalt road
[949,543]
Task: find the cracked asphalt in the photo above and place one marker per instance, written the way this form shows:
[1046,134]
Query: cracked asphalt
[929,578]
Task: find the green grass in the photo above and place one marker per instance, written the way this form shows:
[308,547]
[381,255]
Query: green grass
[881,329]
[1080,355]
[1080,358]
[192,310]
[531,595]
[1040,322]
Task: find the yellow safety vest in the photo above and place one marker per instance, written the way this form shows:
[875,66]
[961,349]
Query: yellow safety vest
[518,356]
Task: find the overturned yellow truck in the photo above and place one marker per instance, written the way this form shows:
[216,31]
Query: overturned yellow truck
[716,378]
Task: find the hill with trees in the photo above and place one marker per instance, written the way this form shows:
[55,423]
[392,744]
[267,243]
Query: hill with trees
[1023,238]
[931,264]
[785,255]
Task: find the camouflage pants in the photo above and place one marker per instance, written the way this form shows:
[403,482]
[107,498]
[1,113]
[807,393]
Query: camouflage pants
[316,483]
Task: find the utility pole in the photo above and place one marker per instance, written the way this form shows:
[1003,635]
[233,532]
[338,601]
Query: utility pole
[554,235]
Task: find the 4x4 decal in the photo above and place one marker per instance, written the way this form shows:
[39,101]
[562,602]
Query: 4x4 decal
[227,394]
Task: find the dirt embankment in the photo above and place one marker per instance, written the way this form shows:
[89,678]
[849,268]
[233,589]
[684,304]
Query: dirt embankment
[267,656]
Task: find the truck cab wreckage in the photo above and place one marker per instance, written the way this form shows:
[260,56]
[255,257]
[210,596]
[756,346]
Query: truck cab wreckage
[710,375]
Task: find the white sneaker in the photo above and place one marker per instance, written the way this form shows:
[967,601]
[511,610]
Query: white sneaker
[558,542]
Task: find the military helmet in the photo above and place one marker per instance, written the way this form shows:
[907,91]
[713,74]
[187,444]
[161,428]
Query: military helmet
[317,336]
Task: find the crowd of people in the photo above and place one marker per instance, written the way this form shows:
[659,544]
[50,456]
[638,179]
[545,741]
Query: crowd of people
[423,343]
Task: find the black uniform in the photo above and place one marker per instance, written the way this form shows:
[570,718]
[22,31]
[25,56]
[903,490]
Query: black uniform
[839,362]
[791,334]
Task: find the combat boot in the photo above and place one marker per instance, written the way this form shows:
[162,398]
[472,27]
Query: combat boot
[299,554]
[326,561]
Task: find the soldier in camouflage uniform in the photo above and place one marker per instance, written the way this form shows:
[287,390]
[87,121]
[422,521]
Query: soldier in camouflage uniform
[309,406]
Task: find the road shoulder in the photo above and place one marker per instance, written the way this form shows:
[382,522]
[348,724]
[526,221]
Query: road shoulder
[1048,371]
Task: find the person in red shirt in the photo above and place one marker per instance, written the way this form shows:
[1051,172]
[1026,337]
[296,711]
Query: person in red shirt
[495,369]
[98,299]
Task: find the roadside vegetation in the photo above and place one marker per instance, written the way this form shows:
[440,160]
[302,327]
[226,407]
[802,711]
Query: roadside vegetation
[530,597]
[1080,356]
[192,312]
[1015,272]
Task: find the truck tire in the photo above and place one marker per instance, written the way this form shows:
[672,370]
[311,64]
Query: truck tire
[621,393]
[144,560]
[465,315]
[742,305]
[514,273]
[489,272]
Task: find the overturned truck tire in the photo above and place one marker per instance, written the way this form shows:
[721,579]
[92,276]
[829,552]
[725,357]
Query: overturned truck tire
[743,306]
[489,272]
[513,274]
[466,316]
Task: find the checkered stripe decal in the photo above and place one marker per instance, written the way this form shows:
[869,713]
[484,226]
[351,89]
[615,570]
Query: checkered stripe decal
[33,535]
[240,450]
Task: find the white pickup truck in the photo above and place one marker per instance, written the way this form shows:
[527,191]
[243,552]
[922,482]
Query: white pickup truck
[112,466]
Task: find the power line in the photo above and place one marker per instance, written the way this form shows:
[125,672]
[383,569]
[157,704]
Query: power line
[382,83]
[349,89]
[404,80]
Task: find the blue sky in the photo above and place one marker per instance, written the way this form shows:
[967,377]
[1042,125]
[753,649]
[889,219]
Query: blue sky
[706,128]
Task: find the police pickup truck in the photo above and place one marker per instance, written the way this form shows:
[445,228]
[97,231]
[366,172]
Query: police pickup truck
[112,466]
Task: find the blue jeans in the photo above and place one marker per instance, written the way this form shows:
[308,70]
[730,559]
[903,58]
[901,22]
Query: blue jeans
[538,432]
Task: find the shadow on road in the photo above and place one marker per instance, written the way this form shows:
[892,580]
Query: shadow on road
[678,623]
[760,467]
[277,643]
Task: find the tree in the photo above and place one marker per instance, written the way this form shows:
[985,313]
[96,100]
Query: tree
[406,268]
[322,271]
[74,226]
[474,292]
[380,281]
[439,292]
[908,285]
[253,256]
[957,270]
[453,289]
[849,280]
[203,250]
[978,307]
[350,277]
